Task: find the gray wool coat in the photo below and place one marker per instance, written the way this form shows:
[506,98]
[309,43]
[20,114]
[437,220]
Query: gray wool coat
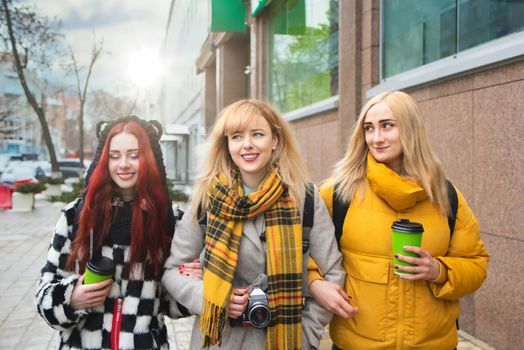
[188,243]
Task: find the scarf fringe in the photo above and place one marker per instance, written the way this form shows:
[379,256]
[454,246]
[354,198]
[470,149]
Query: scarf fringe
[212,323]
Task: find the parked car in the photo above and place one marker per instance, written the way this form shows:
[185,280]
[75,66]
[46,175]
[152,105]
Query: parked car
[70,167]
[17,171]
[6,158]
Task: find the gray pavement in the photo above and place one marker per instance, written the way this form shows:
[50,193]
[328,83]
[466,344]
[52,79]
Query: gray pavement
[24,239]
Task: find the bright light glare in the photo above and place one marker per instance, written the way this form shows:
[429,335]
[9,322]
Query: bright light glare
[144,68]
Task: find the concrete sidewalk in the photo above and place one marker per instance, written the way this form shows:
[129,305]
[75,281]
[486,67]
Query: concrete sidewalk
[24,239]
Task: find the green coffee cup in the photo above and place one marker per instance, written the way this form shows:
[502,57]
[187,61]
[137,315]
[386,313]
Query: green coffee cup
[405,233]
[99,269]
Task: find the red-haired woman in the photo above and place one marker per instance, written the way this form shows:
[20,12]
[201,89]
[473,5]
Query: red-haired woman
[124,214]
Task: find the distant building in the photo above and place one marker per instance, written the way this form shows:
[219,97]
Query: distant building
[318,61]
[182,90]
[20,130]
[62,116]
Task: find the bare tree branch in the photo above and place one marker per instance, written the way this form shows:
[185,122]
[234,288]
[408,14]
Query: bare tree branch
[96,52]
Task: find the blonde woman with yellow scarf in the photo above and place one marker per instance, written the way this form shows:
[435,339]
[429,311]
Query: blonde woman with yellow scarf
[250,195]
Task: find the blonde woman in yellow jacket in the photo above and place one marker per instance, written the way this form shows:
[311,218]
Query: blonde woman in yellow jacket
[389,172]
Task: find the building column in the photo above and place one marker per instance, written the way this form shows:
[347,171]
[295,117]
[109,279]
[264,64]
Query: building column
[232,58]
[350,65]
[210,97]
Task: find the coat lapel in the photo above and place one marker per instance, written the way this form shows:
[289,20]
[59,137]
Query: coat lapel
[252,231]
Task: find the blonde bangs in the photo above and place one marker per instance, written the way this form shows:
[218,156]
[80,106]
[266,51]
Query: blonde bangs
[239,117]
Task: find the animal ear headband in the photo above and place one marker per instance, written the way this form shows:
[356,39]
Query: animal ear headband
[102,127]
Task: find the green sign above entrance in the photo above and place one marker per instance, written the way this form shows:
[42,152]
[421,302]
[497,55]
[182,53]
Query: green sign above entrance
[257,6]
[228,16]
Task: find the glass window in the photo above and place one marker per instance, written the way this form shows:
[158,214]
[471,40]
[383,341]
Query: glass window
[417,32]
[484,20]
[303,52]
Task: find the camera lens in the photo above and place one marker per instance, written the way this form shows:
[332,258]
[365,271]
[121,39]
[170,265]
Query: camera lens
[259,316]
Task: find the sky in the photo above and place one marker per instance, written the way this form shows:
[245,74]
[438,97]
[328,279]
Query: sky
[132,32]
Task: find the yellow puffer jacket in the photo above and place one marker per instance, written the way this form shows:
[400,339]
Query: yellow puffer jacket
[396,313]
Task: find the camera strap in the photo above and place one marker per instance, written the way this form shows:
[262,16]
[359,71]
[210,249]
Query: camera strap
[259,282]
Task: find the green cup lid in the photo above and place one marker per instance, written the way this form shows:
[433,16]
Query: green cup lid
[406,226]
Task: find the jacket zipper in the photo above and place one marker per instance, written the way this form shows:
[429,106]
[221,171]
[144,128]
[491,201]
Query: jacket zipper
[117,323]
[402,306]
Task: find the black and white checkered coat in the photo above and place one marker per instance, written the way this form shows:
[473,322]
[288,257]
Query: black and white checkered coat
[144,300]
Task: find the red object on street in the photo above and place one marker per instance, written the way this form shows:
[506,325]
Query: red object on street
[22,182]
[6,196]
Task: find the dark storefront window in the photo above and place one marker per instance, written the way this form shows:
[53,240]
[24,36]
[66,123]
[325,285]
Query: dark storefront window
[417,32]
[303,52]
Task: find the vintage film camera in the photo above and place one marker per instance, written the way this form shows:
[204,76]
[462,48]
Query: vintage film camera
[257,313]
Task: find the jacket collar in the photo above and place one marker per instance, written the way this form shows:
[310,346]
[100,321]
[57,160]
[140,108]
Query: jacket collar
[399,192]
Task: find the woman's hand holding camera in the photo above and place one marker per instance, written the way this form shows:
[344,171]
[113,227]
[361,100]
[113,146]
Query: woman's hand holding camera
[89,295]
[332,298]
[426,267]
[238,302]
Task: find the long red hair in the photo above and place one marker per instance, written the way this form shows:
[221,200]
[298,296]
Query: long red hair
[150,240]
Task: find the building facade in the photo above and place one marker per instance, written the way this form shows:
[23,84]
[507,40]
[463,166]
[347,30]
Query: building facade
[182,88]
[318,61]
[19,134]
[20,130]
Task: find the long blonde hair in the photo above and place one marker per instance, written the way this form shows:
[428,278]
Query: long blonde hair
[234,118]
[418,161]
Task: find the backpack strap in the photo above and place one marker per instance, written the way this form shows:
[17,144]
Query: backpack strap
[202,220]
[453,203]
[452,217]
[308,216]
[340,210]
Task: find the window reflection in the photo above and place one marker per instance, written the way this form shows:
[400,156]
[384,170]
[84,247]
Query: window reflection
[303,52]
[417,32]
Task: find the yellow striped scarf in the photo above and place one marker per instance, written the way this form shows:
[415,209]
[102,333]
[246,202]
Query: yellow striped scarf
[227,209]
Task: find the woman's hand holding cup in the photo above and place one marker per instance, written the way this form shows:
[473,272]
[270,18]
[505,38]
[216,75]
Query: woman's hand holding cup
[89,295]
[426,267]
[410,261]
